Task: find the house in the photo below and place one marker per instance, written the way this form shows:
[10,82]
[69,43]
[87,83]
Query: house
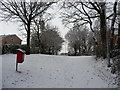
[10,39]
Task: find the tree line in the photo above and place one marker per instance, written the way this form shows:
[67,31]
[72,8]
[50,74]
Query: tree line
[80,41]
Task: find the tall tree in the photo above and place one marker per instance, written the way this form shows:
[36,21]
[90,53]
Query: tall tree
[78,39]
[113,24]
[24,12]
[118,42]
[39,25]
[87,12]
[50,40]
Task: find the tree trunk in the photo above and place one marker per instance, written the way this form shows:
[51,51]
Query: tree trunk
[49,50]
[79,50]
[112,39]
[112,26]
[42,49]
[118,42]
[103,29]
[28,40]
[75,49]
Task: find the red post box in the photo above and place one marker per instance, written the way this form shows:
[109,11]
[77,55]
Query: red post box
[20,57]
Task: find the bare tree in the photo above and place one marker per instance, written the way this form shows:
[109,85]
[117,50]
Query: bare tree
[118,42]
[87,12]
[24,12]
[78,39]
[113,24]
[50,40]
[39,25]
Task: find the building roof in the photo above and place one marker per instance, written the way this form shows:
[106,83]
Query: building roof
[3,36]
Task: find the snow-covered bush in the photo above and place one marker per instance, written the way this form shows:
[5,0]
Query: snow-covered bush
[115,54]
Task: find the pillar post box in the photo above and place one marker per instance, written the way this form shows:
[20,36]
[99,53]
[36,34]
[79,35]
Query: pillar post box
[20,57]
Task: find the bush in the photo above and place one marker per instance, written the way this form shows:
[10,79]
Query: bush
[24,47]
[9,48]
[34,50]
[115,54]
[116,64]
[12,48]
[5,49]
[98,52]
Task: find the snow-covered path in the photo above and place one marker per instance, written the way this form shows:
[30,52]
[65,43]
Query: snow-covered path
[44,71]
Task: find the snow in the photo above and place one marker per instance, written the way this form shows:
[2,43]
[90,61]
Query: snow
[21,50]
[0,72]
[44,71]
[104,72]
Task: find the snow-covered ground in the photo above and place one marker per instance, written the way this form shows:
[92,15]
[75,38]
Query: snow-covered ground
[44,71]
[0,72]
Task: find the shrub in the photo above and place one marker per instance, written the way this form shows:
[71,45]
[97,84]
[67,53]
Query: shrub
[98,52]
[12,48]
[5,49]
[9,48]
[115,54]
[34,50]
[25,47]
